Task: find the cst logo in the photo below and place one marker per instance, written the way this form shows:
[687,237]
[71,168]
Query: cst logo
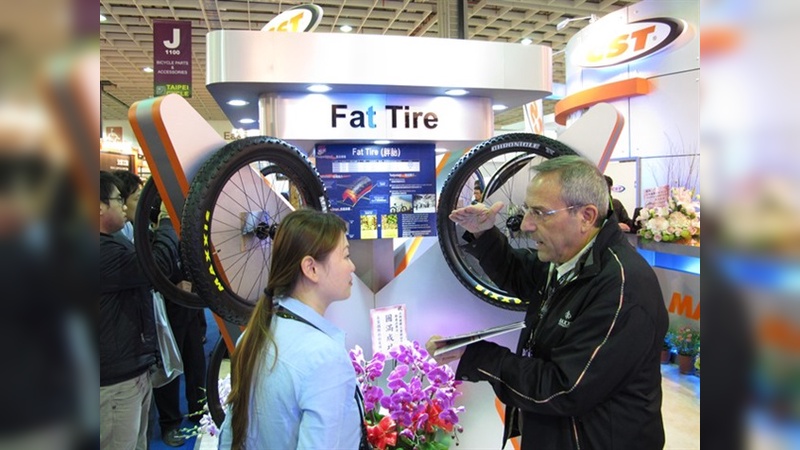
[301,18]
[631,42]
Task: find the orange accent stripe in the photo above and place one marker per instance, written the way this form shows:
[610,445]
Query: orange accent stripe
[409,254]
[718,40]
[442,163]
[148,155]
[606,92]
[498,405]
[223,331]
[177,169]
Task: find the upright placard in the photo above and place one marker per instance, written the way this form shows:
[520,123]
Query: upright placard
[172,57]
[382,191]
[388,327]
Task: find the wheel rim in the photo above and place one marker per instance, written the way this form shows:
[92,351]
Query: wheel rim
[243,222]
[508,170]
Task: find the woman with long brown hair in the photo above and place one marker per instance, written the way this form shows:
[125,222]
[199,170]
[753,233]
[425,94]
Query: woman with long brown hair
[293,385]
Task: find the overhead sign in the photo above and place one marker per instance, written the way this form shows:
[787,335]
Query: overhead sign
[301,18]
[378,116]
[172,57]
[630,42]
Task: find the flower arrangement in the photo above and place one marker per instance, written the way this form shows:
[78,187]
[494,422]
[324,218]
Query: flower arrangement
[685,341]
[418,412]
[678,220]
[207,424]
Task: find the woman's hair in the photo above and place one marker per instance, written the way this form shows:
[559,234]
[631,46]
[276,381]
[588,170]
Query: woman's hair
[302,233]
[581,183]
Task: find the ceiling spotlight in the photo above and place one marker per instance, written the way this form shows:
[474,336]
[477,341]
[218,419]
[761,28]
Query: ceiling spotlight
[456,92]
[238,102]
[246,121]
[563,24]
[499,107]
[526,41]
[346,28]
[148,69]
[102,18]
[319,88]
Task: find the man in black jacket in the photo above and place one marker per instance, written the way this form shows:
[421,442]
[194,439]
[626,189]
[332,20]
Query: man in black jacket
[586,373]
[127,331]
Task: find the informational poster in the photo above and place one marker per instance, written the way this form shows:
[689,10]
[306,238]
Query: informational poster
[388,327]
[172,57]
[382,191]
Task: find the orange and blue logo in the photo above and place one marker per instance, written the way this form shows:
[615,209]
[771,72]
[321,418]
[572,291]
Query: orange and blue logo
[633,41]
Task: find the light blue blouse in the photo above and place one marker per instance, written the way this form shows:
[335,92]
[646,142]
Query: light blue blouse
[306,401]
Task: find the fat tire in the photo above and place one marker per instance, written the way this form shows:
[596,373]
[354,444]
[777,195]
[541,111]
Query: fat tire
[147,208]
[203,196]
[470,163]
[215,406]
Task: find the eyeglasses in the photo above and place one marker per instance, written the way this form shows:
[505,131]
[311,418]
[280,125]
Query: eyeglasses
[119,199]
[539,215]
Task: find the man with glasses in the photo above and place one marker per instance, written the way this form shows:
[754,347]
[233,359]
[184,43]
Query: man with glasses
[127,335]
[586,372]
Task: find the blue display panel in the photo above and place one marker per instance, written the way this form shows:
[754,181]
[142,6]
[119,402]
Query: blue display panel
[382,191]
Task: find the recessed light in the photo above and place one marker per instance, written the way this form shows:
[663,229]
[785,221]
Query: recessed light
[238,102]
[382,142]
[148,69]
[246,121]
[346,28]
[102,18]
[499,107]
[456,92]
[526,41]
[319,88]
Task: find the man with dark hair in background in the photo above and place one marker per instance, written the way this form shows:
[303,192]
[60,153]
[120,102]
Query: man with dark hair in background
[131,189]
[127,336]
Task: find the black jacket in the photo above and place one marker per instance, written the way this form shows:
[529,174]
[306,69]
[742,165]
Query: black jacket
[593,380]
[127,332]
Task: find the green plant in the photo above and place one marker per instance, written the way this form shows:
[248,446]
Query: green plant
[685,341]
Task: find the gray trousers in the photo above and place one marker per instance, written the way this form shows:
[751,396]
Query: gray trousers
[124,412]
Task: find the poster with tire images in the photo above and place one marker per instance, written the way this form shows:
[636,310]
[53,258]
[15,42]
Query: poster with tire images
[382,191]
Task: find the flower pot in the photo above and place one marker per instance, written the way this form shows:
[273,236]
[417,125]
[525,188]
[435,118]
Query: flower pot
[665,356]
[686,364]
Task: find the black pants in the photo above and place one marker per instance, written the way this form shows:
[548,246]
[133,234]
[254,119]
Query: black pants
[188,326]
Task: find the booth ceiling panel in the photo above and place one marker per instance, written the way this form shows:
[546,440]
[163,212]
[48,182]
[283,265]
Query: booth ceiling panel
[126,42]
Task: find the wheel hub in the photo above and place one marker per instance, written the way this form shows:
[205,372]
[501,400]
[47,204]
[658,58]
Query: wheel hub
[262,231]
[514,223]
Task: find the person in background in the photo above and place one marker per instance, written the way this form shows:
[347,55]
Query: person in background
[293,385]
[188,328]
[586,372]
[131,190]
[127,340]
[477,192]
[625,222]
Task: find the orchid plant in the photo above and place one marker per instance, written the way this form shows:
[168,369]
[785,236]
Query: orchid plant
[207,424]
[418,411]
[678,220]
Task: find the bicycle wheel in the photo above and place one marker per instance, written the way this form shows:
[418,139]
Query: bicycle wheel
[218,362]
[506,161]
[146,213]
[231,214]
